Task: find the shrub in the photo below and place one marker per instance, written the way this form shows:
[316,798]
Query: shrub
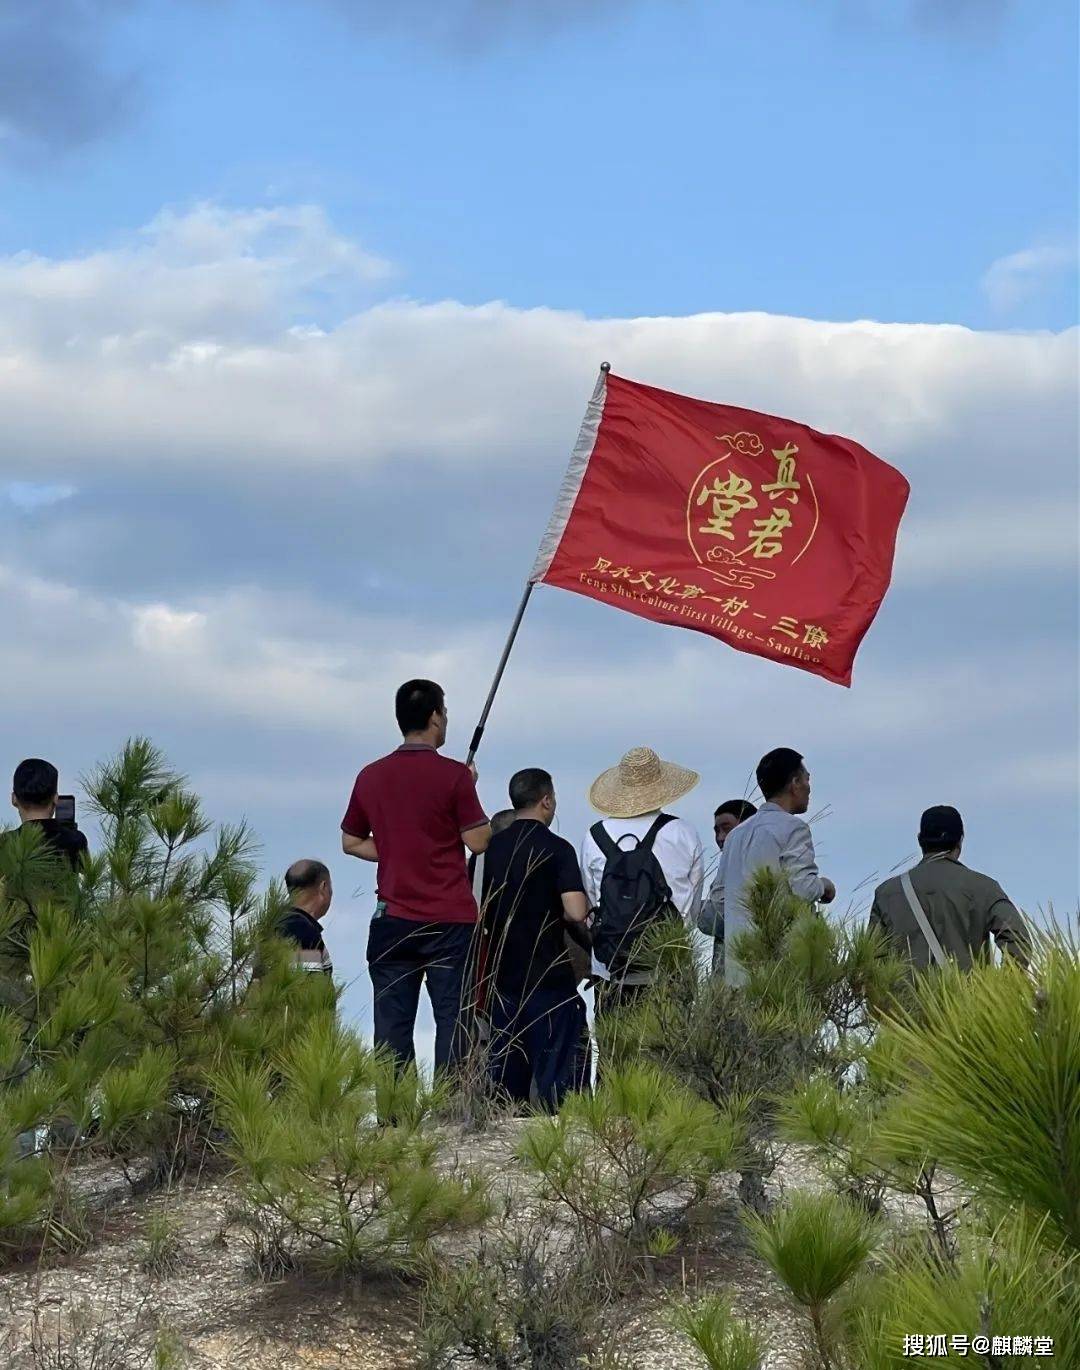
[120,1333]
[718,1042]
[163,1247]
[726,1342]
[812,994]
[58,1033]
[524,1300]
[815,1244]
[267,1235]
[1006,1282]
[824,980]
[121,988]
[988,1076]
[978,1079]
[186,929]
[66,1227]
[629,1157]
[343,1193]
[841,1125]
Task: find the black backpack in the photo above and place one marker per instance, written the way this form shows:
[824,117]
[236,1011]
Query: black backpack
[634,895]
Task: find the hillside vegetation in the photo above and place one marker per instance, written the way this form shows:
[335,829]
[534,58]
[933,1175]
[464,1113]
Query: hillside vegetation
[834,1168]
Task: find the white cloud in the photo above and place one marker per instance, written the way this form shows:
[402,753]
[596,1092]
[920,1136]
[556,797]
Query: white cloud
[28,495]
[158,629]
[219,370]
[248,658]
[203,347]
[1023,534]
[208,274]
[279,702]
[1017,277]
[245,656]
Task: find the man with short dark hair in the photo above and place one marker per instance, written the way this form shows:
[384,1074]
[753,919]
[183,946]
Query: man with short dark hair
[310,894]
[961,909]
[477,992]
[726,817]
[411,812]
[776,837]
[34,792]
[532,891]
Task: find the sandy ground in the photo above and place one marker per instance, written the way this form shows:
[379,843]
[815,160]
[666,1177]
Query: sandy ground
[221,1316]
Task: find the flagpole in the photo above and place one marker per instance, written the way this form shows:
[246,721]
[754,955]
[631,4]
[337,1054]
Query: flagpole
[474,745]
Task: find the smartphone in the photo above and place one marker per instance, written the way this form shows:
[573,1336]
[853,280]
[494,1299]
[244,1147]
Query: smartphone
[65,809]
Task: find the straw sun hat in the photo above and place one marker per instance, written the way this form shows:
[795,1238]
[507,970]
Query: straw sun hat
[640,783]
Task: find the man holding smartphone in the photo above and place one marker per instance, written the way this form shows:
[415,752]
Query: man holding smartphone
[34,795]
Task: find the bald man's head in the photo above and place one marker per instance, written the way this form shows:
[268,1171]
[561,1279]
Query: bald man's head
[309,886]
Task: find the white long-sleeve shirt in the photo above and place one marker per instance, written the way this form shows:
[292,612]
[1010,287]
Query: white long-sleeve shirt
[678,851]
[771,837]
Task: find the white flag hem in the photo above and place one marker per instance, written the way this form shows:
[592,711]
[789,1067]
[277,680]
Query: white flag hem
[571,485]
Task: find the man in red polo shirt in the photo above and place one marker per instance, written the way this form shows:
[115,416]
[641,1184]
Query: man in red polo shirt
[414,812]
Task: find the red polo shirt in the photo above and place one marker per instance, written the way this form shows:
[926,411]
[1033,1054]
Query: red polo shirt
[416,804]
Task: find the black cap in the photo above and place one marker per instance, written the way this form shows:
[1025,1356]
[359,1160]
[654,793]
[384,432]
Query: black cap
[940,825]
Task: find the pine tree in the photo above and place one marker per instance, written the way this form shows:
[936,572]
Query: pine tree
[340,1193]
[977,1079]
[809,1008]
[123,986]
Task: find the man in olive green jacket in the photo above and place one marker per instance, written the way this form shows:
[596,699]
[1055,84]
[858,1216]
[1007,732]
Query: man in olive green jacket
[962,908]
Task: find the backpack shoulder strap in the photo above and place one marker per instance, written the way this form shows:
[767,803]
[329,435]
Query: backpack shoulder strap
[604,840]
[927,931]
[660,821]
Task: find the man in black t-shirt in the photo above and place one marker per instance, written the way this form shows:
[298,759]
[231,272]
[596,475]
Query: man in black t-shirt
[310,893]
[532,889]
[34,792]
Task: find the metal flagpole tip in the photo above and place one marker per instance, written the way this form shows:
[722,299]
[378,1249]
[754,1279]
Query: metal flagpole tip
[605,366]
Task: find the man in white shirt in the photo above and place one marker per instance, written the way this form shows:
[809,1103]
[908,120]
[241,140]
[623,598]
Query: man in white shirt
[633,797]
[776,837]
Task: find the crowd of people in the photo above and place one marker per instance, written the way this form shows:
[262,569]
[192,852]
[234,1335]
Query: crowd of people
[505,923]
[505,920]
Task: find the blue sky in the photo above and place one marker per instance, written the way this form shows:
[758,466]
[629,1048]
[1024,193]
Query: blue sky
[300,304]
[836,160]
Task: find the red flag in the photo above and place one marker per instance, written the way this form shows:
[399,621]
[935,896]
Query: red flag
[757,530]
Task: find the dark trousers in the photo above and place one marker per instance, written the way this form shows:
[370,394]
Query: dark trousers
[612,995]
[403,954]
[537,1038]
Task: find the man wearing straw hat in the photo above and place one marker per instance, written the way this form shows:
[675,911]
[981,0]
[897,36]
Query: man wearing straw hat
[637,845]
